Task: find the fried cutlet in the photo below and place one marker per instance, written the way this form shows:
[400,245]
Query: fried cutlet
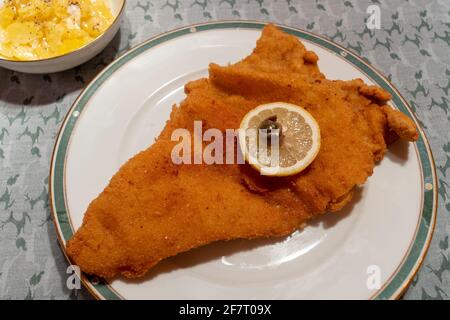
[153,209]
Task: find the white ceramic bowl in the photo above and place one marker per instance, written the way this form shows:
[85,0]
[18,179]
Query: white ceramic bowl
[73,58]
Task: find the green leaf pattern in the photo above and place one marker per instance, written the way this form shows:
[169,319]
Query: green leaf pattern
[412,48]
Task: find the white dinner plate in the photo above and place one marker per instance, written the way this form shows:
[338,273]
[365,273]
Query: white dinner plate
[370,250]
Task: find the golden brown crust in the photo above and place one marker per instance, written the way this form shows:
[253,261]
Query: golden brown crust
[338,203]
[403,126]
[310,57]
[153,209]
[375,93]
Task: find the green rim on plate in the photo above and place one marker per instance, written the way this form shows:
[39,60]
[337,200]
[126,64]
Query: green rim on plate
[394,286]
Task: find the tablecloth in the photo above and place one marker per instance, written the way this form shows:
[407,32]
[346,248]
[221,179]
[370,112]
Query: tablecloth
[411,46]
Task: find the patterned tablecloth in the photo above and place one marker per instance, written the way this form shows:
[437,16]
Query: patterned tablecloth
[412,47]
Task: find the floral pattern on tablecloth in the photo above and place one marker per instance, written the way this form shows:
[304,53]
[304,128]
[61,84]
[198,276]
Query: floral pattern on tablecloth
[412,48]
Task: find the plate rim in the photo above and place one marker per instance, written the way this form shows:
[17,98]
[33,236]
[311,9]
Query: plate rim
[395,285]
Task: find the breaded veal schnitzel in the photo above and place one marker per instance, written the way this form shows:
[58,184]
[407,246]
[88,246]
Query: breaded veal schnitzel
[153,209]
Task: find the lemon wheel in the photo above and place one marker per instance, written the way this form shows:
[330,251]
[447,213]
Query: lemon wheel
[279,139]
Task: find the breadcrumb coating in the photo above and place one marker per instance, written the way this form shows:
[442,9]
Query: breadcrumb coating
[153,209]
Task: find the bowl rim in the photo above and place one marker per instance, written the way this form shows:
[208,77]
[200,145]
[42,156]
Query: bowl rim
[91,43]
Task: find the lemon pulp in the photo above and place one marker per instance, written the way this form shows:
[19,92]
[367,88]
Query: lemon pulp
[39,29]
[298,144]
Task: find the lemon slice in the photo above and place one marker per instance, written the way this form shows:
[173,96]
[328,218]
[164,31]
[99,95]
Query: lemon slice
[279,139]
